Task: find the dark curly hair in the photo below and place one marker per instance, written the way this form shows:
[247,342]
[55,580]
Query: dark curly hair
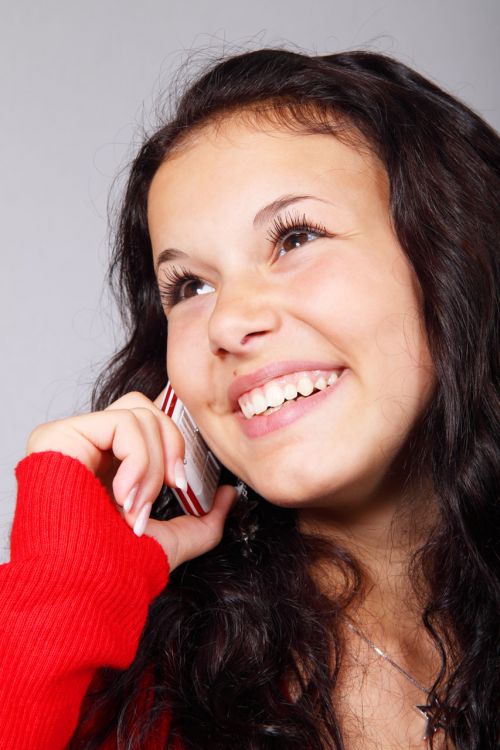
[234,625]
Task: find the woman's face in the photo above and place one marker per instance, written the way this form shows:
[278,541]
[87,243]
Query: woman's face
[292,310]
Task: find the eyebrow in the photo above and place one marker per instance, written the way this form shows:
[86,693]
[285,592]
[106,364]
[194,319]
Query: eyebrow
[262,216]
[267,212]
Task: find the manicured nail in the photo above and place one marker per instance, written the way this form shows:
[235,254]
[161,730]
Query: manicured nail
[180,475]
[142,519]
[130,499]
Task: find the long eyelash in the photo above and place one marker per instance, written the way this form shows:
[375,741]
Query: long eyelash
[174,278]
[169,289]
[281,227]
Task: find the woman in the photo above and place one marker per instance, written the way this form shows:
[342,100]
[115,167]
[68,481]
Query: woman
[319,234]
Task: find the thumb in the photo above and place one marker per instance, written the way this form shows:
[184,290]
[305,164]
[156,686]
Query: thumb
[186,537]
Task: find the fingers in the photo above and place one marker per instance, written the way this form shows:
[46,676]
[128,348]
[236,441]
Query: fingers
[186,537]
[134,448]
[141,476]
[171,439]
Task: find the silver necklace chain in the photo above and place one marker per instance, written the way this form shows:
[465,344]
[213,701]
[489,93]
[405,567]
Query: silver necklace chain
[425,710]
[388,658]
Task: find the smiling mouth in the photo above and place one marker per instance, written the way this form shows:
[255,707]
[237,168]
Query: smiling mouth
[279,393]
[283,415]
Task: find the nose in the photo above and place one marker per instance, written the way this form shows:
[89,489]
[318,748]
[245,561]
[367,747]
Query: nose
[244,314]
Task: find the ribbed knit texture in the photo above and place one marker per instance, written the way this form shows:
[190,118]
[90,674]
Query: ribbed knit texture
[74,597]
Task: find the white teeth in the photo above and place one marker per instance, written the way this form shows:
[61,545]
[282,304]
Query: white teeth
[290,391]
[247,410]
[305,386]
[259,403]
[274,395]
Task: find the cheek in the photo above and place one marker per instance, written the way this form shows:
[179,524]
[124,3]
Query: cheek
[362,299]
[369,311]
[183,367]
[340,298]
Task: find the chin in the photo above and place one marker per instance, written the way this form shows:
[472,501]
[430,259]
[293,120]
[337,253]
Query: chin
[344,486]
[295,494]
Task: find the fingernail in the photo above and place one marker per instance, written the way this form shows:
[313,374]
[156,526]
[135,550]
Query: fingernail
[180,475]
[142,519]
[130,499]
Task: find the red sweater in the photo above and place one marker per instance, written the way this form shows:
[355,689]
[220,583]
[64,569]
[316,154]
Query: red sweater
[73,598]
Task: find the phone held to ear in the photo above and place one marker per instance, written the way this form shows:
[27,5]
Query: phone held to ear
[202,468]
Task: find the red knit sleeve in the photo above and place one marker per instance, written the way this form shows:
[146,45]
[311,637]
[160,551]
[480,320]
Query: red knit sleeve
[73,598]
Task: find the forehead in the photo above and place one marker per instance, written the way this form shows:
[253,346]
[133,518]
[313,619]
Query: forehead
[241,163]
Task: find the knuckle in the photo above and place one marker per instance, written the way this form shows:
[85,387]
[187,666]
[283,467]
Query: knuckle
[128,400]
[174,433]
[128,416]
[137,396]
[139,458]
[38,433]
[145,413]
[32,438]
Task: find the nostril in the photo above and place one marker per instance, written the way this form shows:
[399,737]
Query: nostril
[251,335]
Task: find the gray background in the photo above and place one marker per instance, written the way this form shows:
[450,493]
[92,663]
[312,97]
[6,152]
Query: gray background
[78,81]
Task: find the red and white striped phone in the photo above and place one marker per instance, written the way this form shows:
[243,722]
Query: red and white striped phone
[202,468]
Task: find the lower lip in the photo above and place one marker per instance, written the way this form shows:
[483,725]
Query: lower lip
[261,425]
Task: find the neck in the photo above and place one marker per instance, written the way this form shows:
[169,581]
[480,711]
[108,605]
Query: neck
[382,536]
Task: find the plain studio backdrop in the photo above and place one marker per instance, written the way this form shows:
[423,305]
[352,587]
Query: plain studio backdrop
[79,82]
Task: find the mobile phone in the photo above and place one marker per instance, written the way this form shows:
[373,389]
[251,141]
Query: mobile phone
[203,470]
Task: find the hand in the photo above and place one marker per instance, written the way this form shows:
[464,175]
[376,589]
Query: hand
[133,448]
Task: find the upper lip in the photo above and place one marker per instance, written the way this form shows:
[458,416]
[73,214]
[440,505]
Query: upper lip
[245,383]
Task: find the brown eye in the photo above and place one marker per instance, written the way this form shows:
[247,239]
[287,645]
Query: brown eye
[179,285]
[189,288]
[296,239]
[292,232]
